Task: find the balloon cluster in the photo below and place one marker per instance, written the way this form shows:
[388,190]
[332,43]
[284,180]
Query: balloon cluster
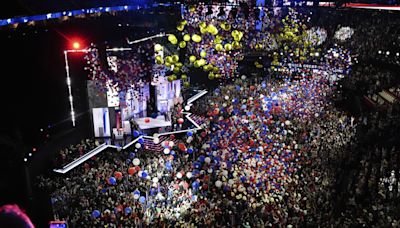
[211,45]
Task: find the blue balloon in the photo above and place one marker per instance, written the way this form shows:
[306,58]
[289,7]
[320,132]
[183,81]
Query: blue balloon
[132,155]
[136,192]
[112,180]
[168,165]
[128,210]
[136,134]
[189,133]
[144,174]
[190,150]
[153,115]
[263,85]
[141,140]
[201,158]
[195,185]
[96,213]
[142,199]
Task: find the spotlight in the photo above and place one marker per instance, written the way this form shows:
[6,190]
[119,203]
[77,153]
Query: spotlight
[76,45]
[388,53]
[30,154]
[25,159]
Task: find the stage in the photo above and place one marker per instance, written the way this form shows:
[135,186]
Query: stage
[158,122]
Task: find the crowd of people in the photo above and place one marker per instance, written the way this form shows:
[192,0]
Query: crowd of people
[275,151]
[73,152]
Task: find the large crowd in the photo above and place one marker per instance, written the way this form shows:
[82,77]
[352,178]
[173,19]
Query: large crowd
[275,151]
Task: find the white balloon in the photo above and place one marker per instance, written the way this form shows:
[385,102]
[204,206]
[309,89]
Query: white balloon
[218,183]
[138,145]
[287,122]
[156,140]
[243,77]
[166,151]
[155,180]
[171,143]
[187,107]
[207,159]
[225,173]
[189,175]
[179,175]
[231,181]
[226,97]
[136,161]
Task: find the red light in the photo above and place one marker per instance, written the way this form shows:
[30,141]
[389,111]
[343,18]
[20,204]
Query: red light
[76,45]
[34,149]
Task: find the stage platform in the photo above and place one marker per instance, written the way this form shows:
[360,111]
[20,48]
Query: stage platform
[158,122]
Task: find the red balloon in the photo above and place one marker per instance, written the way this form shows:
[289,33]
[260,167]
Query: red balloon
[180,121]
[131,170]
[118,175]
[172,137]
[182,146]
[146,120]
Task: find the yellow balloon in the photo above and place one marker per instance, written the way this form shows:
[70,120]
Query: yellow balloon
[175,58]
[203,30]
[217,75]
[205,68]
[174,77]
[184,22]
[176,69]
[218,47]
[182,44]
[179,64]
[158,57]
[186,84]
[196,64]
[192,58]
[180,27]
[186,37]
[192,9]
[212,29]
[168,59]
[211,76]
[167,64]
[202,24]
[158,47]
[228,47]
[159,62]
[172,38]
[202,62]
[215,69]
[184,77]
[196,38]
[170,78]
[236,44]
[203,54]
